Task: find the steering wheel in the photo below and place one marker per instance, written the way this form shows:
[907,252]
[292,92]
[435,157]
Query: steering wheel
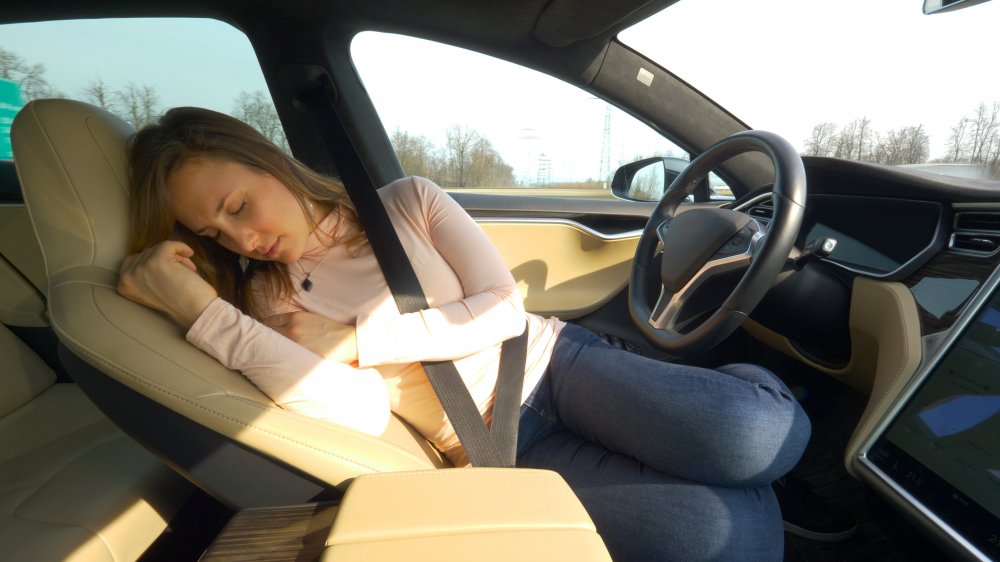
[699,244]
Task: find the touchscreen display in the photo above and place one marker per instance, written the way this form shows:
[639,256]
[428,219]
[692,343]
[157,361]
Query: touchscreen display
[944,447]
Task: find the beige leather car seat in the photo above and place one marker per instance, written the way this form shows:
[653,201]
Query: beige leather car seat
[72,485]
[211,423]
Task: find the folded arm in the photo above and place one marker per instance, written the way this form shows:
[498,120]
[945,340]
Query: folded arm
[164,278]
[490,312]
[294,377]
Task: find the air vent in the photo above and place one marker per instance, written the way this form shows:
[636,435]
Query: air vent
[988,222]
[763,212]
[976,233]
[978,243]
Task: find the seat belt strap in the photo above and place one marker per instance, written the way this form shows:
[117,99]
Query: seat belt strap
[494,447]
[507,402]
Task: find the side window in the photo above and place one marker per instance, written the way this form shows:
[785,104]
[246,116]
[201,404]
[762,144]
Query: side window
[135,68]
[472,122]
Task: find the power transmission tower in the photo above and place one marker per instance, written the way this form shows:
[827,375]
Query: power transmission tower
[605,171]
[529,140]
[544,170]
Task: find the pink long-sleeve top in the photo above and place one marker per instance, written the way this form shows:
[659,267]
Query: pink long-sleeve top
[474,306]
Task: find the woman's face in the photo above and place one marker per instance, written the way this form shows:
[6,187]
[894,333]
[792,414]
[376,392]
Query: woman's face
[245,210]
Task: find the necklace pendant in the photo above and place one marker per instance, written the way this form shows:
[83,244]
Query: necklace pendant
[307,285]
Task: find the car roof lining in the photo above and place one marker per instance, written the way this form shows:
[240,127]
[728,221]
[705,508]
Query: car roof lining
[564,22]
[552,22]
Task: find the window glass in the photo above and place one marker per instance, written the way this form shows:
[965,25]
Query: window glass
[135,68]
[472,122]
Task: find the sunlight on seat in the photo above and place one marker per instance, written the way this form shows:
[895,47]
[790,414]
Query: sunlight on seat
[125,537]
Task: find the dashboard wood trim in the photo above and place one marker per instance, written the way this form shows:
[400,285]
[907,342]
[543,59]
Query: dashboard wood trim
[949,265]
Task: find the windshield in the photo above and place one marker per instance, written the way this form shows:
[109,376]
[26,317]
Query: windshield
[872,81]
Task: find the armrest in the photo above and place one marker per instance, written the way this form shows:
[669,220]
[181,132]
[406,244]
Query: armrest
[461,514]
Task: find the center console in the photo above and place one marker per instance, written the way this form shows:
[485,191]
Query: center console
[445,515]
[936,453]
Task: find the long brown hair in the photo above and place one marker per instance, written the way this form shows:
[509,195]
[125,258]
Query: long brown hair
[184,133]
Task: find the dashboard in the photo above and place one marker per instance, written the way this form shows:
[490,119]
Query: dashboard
[877,237]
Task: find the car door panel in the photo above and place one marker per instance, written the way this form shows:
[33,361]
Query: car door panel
[562,267]
[569,256]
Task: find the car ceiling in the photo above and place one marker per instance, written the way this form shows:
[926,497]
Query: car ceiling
[502,27]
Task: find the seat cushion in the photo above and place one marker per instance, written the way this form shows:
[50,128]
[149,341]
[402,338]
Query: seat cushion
[74,487]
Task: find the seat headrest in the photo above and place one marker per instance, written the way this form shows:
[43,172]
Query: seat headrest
[74,154]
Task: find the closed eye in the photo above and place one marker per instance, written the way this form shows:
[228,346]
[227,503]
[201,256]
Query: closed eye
[235,214]
[240,210]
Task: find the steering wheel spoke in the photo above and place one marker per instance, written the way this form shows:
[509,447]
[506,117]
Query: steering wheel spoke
[663,229]
[666,313]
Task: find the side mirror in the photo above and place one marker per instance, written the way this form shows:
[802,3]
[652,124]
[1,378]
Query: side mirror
[647,179]
[940,6]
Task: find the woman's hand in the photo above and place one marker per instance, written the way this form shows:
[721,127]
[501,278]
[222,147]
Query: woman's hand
[319,334]
[164,278]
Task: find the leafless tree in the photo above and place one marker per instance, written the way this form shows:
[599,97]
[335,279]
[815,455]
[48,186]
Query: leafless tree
[467,160]
[858,140]
[98,93]
[957,142]
[137,104]
[908,145]
[886,148]
[977,139]
[983,131]
[823,141]
[29,77]
[864,139]
[257,110]
[846,141]
[486,167]
[416,154]
[917,147]
[459,142]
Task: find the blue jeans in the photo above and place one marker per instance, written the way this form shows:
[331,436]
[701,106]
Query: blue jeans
[671,462]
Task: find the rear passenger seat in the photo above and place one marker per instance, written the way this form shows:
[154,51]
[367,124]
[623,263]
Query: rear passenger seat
[72,485]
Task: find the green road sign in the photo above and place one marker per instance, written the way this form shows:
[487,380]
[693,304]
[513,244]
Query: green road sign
[10,104]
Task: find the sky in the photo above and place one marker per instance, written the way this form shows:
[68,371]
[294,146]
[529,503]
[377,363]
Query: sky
[171,55]
[835,61]
[780,65]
